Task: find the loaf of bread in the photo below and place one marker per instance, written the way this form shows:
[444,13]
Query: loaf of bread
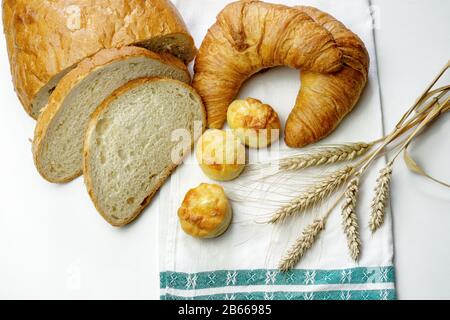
[205,211]
[46,39]
[252,35]
[58,141]
[128,145]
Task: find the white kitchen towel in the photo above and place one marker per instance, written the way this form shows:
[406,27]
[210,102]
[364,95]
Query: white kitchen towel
[242,264]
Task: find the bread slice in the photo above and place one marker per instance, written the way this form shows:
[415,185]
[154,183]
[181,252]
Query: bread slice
[46,39]
[58,141]
[129,151]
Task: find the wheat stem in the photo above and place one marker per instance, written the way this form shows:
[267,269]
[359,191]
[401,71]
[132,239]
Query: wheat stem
[381,198]
[437,110]
[313,194]
[350,219]
[421,98]
[420,120]
[427,108]
[303,244]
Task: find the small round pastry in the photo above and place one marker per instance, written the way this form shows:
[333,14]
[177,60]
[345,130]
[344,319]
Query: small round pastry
[255,123]
[205,211]
[221,155]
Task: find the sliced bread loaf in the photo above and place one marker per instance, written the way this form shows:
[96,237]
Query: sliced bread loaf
[46,39]
[129,150]
[58,141]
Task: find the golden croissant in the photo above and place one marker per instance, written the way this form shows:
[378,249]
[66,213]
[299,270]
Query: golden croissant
[251,35]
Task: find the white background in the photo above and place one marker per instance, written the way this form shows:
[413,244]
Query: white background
[54,245]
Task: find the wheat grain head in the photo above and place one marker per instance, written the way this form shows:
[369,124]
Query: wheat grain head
[381,198]
[313,194]
[303,244]
[325,155]
[350,219]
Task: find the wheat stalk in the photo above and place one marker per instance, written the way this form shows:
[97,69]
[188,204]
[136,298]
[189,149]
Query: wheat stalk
[326,156]
[313,194]
[304,243]
[349,218]
[426,109]
[381,198]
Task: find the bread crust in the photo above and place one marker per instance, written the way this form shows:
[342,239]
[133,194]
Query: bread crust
[84,69]
[250,35]
[254,122]
[325,99]
[221,155]
[205,211]
[45,38]
[86,151]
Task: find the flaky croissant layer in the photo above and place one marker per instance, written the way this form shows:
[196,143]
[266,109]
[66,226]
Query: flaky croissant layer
[251,35]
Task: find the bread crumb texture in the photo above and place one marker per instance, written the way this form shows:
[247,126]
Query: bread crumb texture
[129,144]
[59,158]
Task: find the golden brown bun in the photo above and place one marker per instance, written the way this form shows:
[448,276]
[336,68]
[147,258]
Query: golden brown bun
[221,155]
[325,99]
[255,123]
[47,38]
[251,35]
[205,211]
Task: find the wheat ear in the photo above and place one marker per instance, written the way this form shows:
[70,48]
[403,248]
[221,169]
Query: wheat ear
[313,194]
[326,155]
[349,218]
[381,198]
[304,243]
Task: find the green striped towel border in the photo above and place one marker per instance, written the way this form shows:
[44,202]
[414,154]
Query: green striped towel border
[361,283]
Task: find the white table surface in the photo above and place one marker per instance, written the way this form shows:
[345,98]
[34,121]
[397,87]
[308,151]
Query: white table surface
[54,245]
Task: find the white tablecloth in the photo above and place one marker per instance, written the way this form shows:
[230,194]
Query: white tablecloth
[242,263]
